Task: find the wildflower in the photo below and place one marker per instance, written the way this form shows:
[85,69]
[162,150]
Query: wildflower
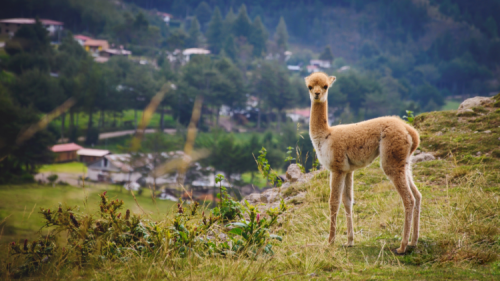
[258,218]
[25,245]
[119,215]
[127,214]
[60,209]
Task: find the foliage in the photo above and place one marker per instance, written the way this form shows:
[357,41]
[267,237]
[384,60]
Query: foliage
[265,168]
[112,235]
[409,117]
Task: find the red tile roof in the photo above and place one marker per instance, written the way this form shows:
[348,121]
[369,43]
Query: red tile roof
[82,37]
[31,21]
[65,147]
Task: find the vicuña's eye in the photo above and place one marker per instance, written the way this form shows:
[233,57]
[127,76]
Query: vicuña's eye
[310,87]
[325,87]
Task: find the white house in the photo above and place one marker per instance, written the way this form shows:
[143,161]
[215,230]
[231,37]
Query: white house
[10,26]
[187,53]
[321,63]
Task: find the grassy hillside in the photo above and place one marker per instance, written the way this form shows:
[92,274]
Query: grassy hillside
[460,222]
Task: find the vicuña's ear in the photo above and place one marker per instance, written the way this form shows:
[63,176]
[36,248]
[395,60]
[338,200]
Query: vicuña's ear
[331,79]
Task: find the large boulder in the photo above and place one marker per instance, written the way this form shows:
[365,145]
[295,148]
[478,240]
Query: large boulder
[475,102]
[293,173]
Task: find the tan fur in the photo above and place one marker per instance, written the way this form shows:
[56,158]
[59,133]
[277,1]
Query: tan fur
[345,148]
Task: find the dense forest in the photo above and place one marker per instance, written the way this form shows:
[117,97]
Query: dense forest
[400,55]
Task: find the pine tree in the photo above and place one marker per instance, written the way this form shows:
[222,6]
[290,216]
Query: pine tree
[194,34]
[491,27]
[327,54]
[242,25]
[229,22]
[281,38]
[215,32]
[258,37]
[203,13]
[230,47]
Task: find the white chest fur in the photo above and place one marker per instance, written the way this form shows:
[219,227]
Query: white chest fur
[324,150]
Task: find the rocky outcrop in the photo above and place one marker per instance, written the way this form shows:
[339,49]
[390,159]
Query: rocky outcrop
[271,198]
[466,107]
[475,102]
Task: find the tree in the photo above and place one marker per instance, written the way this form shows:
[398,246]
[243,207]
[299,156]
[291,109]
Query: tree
[281,38]
[258,37]
[326,54]
[242,25]
[32,39]
[215,32]
[194,34]
[230,47]
[491,27]
[203,13]
[176,40]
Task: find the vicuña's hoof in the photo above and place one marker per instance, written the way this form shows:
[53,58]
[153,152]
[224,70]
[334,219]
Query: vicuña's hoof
[395,251]
[348,245]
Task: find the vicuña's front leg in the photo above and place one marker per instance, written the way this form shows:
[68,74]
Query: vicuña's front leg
[337,180]
[347,199]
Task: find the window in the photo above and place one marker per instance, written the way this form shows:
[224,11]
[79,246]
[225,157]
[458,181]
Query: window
[105,162]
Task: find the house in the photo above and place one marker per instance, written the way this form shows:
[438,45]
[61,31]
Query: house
[299,115]
[113,168]
[94,46]
[107,53]
[165,17]
[10,26]
[81,39]
[187,53]
[312,68]
[65,152]
[293,67]
[88,155]
[321,63]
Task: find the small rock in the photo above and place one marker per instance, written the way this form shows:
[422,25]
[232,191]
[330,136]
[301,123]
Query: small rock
[439,133]
[487,132]
[417,152]
[422,157]
[253,198]
[474,102]
[313,275]
[475,132]
[293,173]
[478,153]
[269,195]
[222,236]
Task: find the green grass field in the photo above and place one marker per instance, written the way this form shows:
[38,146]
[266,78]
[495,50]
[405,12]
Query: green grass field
[451,105]
[20,204]
[70,167]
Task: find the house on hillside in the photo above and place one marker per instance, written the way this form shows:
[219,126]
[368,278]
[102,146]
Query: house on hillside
[10,26]
[81,39]
[115,52]
[321,63]
[65,152]
[312,68]
[94,46]
[89,155]
[187,53]
[114,168]
[165,17]
[299,115]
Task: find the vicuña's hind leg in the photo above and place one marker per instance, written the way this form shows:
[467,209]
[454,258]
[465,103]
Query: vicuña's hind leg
[416,209]
[337,180]
[347,199]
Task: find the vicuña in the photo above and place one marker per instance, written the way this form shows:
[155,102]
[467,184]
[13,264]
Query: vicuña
[345,148]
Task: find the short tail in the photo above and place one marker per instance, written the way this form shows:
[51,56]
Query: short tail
[414,136]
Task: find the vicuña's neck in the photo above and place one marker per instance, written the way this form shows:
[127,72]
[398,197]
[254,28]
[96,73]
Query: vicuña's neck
[318,122]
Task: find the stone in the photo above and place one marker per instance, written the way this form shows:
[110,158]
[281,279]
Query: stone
[253,198]
[293,173]
[269,195]
[422,157]
[439,133]
[465,112]
[487,132]
[474,102]
[417,152]
[478,153]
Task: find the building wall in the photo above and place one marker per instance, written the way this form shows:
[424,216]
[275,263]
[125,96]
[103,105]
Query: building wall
[66,156]
[9,28]
[89,159]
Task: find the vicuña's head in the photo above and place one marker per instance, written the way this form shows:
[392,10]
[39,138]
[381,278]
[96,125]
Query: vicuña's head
[318,84]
